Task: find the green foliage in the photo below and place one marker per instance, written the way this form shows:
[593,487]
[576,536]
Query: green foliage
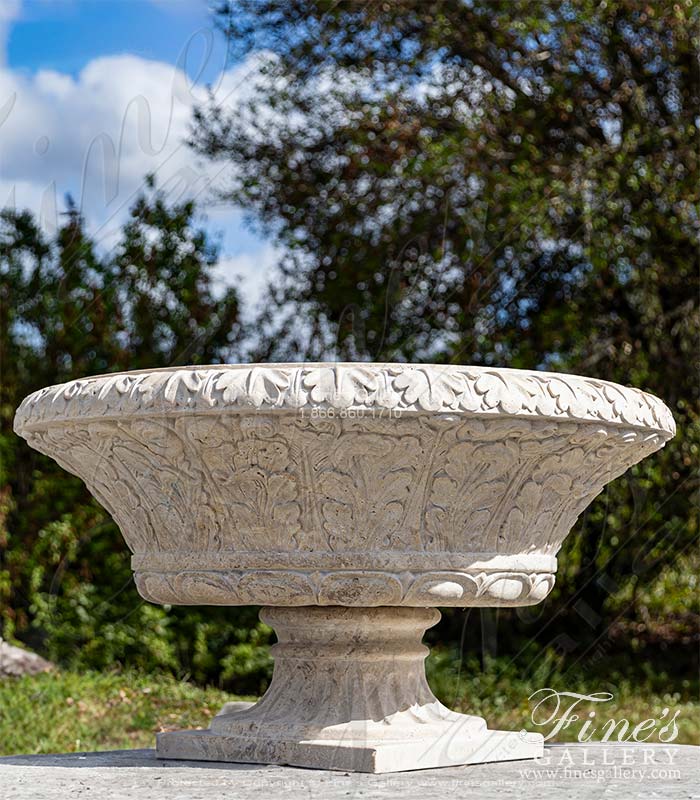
[444,174]
[66,586]
[499,183]
[500,688]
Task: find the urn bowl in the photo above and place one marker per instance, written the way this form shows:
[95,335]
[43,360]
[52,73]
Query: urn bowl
[344,484]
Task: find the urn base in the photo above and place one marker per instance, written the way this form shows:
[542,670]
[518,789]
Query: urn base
[349,693]
[451,750]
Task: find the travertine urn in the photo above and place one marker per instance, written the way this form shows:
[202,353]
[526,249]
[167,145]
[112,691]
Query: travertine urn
[349,500]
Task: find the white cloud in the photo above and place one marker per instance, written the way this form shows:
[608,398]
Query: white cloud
[256,269]
[98,134]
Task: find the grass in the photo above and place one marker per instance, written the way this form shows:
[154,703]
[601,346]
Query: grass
[68,711]
[500,693]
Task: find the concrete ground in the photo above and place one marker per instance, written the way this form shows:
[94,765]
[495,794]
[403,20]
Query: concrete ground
[580,771]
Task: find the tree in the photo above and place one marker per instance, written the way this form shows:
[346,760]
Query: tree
[500,183]
[68,309]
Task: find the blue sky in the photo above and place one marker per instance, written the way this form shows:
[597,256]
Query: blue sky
[64,35]
[94,94]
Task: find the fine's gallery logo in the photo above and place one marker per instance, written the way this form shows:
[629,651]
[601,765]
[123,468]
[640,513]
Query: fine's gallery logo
[554,711]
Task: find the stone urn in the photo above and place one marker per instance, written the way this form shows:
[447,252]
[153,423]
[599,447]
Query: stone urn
[349,501]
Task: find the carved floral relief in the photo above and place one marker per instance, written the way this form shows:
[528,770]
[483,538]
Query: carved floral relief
[431,474]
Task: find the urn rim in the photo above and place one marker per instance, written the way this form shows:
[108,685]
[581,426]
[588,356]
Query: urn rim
[398,388]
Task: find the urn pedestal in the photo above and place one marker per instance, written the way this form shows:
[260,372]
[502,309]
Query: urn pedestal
[349,500]
[349,692]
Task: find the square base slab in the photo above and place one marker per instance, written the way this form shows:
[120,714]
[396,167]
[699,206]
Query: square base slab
[447,751]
